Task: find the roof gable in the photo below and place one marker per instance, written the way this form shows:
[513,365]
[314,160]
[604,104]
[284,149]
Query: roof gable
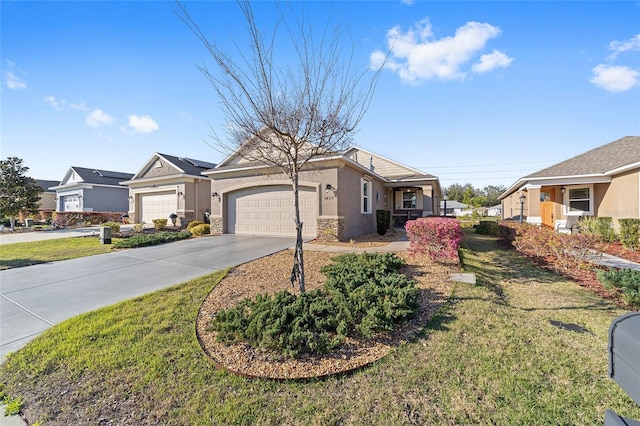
[94,176]
[383,166]
[167,165]
[600,160]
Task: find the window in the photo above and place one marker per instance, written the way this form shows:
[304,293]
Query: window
[580,200]
[365,196]
[409,200]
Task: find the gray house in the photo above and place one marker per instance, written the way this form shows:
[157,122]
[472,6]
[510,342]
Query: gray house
[86,190]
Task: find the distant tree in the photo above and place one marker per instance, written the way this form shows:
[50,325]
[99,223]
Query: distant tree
[283,112]
[18,192]
[455,192]
[492,194]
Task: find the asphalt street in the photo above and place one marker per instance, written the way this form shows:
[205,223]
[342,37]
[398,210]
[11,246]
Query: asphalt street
[36,297]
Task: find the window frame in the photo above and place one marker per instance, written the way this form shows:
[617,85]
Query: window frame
[365,198]
[567,201]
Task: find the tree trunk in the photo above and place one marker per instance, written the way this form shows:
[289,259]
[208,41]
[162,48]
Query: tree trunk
[297,274]
[12,221]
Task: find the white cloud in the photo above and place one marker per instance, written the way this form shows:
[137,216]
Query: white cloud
[615,78]
[81,106]
[407,2]
[13,82]
[491,61]
[54,102]
[618,47]
[417,56]
[98,118]
[144,124]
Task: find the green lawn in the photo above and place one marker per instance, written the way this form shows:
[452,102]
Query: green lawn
[24,254]
[495,355]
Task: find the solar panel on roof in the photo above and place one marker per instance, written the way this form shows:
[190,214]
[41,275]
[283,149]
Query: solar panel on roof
[199,163]
[116,175]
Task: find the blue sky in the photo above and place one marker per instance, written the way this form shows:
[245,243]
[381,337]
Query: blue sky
[478,92]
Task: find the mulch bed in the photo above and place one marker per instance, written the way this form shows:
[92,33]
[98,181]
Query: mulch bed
[269,275]
[617,249]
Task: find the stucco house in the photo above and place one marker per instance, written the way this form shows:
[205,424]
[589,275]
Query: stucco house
[604,181]
[48,196]
[86,190]
[167,184]
[339,195]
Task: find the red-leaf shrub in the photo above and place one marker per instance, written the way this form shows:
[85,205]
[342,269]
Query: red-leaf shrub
[438,237]
[569,251]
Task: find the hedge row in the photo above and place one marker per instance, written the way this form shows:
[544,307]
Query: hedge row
[437,237]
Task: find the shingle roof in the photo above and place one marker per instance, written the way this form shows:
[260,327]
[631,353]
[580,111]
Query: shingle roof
[101,177]
[189,165]
[46,184]
[599,160]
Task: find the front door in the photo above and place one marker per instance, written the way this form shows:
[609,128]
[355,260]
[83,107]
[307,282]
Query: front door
[547,202]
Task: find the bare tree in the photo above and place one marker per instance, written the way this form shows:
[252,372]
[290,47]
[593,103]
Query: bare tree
[282,115]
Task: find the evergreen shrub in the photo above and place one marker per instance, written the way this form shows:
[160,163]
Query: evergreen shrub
[488,227]
[364,294]
[194,223]
[143,240]
[199,230]
[630,233]
[115,227]
[383,220]
[627,281]
[159,223]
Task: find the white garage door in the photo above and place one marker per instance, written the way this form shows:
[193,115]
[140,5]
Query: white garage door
[157,206]
[269,211]
[71,203]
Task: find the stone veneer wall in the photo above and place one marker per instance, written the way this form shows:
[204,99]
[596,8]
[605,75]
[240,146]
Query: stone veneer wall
[330,229]
[216,225]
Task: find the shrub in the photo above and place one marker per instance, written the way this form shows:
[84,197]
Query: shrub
[138,227]
[159,223]
[201,229]
[569,250]
[383,219]
[194,223]
[435,236]
[115,227]
[364,294]
[602,227]
[488,227]
[627,281]
[142,240]
[630,233]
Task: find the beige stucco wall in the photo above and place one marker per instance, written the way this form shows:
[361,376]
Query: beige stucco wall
[47,201]
[620,198]
[511,206]
[350,204]
[341,202]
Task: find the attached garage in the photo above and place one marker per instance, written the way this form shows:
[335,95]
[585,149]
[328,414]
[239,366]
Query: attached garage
[157,206]
[268,210]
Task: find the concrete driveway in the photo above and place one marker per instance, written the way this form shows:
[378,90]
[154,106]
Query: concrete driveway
[36,297]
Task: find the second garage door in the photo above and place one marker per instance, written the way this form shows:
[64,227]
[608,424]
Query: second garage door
[269,211]
[157,206]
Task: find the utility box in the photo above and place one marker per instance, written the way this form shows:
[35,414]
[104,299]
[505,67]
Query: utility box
[105,235]
[28,223]
[624,361]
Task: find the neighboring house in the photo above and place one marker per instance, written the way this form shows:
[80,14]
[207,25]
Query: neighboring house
[455,208]
[48,196]
[492,211]
[167,185]
[604,181]
[86,190]
[338,196]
